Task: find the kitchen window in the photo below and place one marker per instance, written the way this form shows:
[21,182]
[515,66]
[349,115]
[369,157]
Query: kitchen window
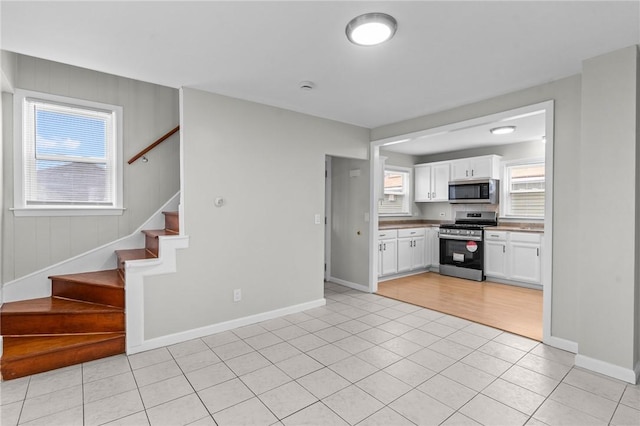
[524,190]
[396,199]
[68,156]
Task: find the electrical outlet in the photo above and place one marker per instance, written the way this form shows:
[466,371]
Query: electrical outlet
[237,295]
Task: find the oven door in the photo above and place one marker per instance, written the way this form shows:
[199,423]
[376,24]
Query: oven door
[461,252]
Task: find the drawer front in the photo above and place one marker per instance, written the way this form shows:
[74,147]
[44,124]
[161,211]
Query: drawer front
[495,235]
[388,234]
[411,232]
[525,237]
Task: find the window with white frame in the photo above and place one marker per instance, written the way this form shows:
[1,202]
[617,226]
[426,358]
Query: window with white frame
[68,156]
[396,199]
[524,190]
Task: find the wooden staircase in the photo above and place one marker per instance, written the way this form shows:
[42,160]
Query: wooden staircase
[82,320]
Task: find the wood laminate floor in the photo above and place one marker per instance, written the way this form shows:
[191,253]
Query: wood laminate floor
[514,309]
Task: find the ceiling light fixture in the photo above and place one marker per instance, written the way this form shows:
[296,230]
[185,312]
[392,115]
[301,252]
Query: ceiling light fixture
[371,29]
[503,130]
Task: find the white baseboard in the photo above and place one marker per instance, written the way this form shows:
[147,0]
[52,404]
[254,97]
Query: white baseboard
[349,284]
[183,336]
[560,343]
[611,370]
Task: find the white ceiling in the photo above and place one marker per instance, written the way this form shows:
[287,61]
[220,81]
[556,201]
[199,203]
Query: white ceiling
[459,136]
[444,54]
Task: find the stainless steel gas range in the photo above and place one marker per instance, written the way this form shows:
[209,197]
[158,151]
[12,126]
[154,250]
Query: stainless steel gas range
[462,245]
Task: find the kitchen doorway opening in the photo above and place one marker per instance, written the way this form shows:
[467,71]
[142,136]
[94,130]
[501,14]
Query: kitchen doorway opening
[446,136]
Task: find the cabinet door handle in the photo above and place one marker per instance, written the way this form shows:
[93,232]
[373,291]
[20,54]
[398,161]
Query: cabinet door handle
[384,246]
[380,247]
[538,252]
[466,173]
[433,195]
[503,249]
[471,172]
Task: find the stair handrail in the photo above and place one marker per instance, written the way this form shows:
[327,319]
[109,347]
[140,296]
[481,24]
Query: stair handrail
[154,144]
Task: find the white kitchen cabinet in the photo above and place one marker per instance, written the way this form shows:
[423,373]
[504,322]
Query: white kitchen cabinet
[525,257]
[411,249]
[431,182]
[495,254]
[387,252]
[487,166]
[433,243]
[513,256]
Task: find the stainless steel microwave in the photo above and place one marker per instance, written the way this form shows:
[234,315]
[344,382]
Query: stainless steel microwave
[474,191]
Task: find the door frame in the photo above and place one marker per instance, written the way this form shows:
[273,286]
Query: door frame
[547,246]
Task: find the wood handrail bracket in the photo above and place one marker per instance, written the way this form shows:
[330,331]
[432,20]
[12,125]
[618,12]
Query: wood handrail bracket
[153,145]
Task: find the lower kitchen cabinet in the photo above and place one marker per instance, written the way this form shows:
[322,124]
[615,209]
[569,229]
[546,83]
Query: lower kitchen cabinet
[387,252]
[526,265]
[411,244]
[514,256]
[495,254]
[432,247]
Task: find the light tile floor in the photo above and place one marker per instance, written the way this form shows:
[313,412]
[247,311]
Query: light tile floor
[361,359]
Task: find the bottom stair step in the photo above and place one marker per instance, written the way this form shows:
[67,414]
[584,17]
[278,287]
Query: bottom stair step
[26,355]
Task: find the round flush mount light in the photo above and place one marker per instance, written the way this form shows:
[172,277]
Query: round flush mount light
[503,130]
[371,29]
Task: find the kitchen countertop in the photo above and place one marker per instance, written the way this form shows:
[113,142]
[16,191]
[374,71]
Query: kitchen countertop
[511,227]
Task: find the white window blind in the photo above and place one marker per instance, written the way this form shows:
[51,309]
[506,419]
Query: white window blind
[526,190]
[69,154]
[396,193]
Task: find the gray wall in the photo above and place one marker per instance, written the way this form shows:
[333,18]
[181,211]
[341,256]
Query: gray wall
[607,271]
[349,231]
[595,268]
[32,243]
[566,94]
[268,164]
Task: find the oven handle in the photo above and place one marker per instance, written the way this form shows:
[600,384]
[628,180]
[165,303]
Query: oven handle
[460,237]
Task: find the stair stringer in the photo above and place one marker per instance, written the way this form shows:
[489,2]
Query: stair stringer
[135,271]
[37,284]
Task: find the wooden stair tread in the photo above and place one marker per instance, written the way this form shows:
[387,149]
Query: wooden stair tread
[155,233]
[109,278]
[19,347]
[134,254]
[54,305]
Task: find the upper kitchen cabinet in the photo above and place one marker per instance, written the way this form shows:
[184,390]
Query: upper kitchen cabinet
[431,182]
[487,166]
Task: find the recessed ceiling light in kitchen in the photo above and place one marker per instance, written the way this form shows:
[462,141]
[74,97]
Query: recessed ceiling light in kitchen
[371,29]
[503,130]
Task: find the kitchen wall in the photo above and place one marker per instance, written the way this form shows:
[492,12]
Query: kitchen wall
[566,94]
[268,164]
[349,229]
[33,243]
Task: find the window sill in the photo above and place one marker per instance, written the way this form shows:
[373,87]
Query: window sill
[64,211]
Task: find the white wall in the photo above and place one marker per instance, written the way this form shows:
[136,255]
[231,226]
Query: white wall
[566,94]
[349,230]
[607,271]
[268,164]
[32,243]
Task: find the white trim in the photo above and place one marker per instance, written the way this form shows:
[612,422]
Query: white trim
[374,191]
[611,370]
[135,271]
[37,284]
[19,206]
[564,344]
[80,211]
[328,190]
[355,286]
[547,249]
[183,336]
